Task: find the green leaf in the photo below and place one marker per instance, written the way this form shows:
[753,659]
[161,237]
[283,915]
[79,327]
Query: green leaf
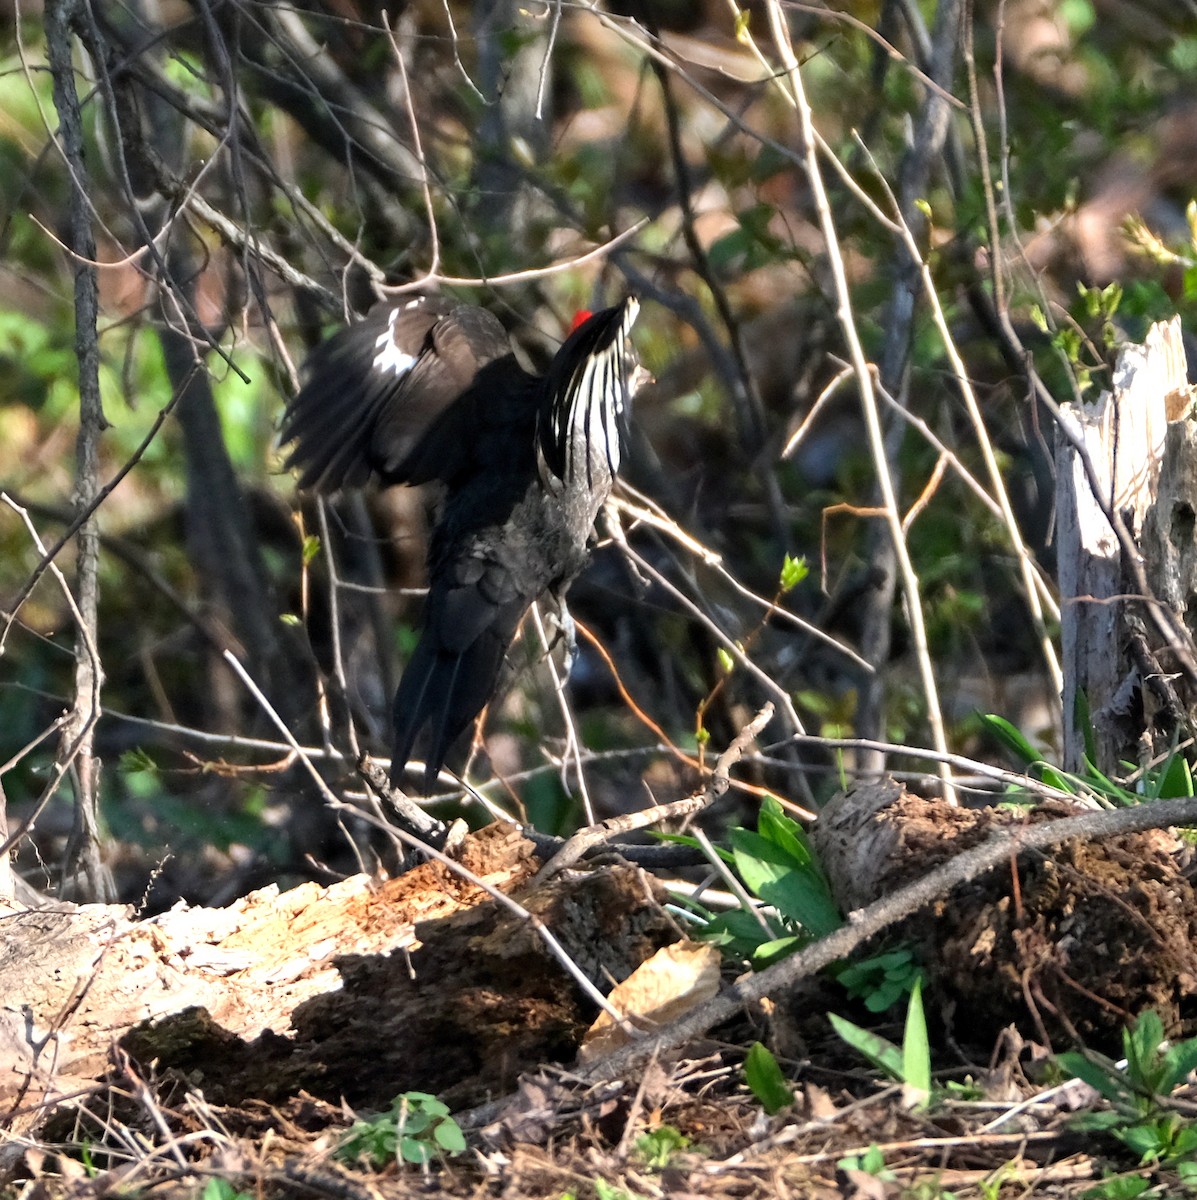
[738,934]
[773,824]
[608,1191]
[657,1147]
[1084,722]
[1141,1044]
[1101,783]
[793,572]
[884,1055]
[1175,780]
[872,1162]
[449,1137]
[884,996]
[880,981]
[1178,1062]
[725,660]
[1103,1076]
[1020,746]
[765,1079]
[767,953]
[415,1151]
[137,761]
[414,1122]
[1107,1120]
[1011,737]
[779,875]
[311,547]
[1144,1140]
[916,1049]
[683,839]
[1184,1140]
[1118,1187]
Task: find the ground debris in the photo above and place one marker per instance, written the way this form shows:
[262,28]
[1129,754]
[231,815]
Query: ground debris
[587,1140]
[1070,946]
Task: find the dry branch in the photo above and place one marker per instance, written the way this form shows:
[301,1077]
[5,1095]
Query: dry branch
[1002,846]
[83,872]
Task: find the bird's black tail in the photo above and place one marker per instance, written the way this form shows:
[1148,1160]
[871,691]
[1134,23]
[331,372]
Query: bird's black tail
[440,694]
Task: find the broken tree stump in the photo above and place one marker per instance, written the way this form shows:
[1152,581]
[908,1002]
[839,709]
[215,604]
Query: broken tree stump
[1126,494]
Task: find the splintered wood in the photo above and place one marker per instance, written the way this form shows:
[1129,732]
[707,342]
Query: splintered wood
[1127,596]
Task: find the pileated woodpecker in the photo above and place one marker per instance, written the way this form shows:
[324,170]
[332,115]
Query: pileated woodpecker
[431,391]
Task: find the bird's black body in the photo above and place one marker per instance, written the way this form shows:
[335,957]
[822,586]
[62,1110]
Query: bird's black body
[428,390]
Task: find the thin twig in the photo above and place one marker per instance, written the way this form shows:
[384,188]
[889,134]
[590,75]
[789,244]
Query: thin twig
[1034,588]
[542,85]
[585,839]
[573,742]
[796,95]
[415,843]
[78,518]
[644,511]
[514,277]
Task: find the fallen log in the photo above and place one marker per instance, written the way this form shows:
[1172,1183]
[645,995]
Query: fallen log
[360,990]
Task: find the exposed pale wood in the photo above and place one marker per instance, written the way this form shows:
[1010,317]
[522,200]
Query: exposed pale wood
[359,991]
[1169,535]
[1127,436]
[77,978]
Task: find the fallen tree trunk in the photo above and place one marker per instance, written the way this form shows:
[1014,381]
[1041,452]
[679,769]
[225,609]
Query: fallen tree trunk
[1071,943]
[360,990]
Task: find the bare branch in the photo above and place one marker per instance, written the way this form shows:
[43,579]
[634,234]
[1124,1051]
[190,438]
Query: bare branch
[82,866]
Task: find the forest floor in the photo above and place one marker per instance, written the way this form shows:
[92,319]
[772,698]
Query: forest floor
[212,1103]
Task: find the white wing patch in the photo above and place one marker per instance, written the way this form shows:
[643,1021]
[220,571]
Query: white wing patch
[389,356]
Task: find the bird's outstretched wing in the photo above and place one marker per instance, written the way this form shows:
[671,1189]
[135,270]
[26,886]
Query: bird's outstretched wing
[382,396]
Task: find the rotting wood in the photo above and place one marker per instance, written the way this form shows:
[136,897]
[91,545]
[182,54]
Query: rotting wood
[1078,941]
[361,989]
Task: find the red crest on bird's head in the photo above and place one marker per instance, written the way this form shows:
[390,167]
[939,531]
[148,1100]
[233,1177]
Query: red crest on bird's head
[580,318]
